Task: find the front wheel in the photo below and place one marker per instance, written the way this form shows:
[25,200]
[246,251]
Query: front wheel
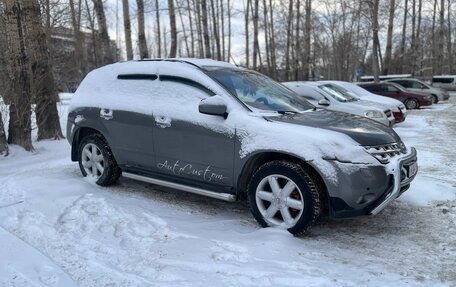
[284,194]
[435,99]
[96,160]
[411,104]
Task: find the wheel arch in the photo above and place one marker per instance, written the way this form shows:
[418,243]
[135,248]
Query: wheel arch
[80,133]
[259,158]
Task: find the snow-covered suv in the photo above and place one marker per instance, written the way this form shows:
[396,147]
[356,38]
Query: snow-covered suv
[217,130]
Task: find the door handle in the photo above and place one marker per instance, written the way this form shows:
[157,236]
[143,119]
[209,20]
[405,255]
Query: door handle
[106,114]
[163,122]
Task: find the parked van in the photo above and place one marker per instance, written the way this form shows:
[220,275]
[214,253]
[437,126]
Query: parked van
[447,82]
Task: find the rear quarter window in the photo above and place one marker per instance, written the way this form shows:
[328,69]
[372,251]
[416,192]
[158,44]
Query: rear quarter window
[448,80]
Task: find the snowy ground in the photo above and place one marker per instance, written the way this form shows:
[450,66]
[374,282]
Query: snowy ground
[59,229]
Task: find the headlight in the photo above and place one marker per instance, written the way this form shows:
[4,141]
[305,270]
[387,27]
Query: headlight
[373,114]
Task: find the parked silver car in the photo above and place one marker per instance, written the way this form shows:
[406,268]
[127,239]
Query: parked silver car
[398,107]
[419,86]
[330,97]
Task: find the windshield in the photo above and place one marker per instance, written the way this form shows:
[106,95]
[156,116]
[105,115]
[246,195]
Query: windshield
[258,91]
[338,93]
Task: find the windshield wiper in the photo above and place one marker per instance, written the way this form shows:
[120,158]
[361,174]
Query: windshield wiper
[287,112]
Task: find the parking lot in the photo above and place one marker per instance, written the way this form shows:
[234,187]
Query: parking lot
[135,234]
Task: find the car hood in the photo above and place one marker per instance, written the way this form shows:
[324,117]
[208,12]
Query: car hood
[366,103]
[364,131]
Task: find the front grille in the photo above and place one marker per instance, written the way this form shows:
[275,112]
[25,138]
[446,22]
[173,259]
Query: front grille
[388,113]
[384,153]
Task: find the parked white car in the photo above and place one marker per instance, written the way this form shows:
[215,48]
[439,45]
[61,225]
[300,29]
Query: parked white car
[328,96]
[447,82]
[398,108]
[416,85]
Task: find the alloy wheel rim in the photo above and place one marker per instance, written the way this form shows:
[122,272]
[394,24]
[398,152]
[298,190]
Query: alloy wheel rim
[93,160]
[279,200]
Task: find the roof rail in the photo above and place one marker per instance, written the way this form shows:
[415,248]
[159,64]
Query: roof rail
[170,60]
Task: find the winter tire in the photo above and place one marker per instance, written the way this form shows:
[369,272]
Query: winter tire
[435,99]
[96,160]
[286,195]
[411,104]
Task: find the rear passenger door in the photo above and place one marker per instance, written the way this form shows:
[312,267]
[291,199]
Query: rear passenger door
[130,127]
[191,146]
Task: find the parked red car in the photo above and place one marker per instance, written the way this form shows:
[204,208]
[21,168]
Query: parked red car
[412,100]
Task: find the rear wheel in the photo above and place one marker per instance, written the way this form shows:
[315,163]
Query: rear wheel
[411,104]
[285,195]
[96,160]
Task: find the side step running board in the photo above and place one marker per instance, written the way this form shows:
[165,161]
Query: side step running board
[213,194]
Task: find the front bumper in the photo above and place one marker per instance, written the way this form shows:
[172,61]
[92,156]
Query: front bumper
[402,177]
[366,190]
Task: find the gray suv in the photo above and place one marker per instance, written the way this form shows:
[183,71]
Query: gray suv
[214,129]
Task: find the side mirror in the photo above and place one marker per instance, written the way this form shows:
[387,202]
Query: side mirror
[324,102]
[214,106]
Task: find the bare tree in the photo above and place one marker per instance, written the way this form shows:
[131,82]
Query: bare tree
[246,29]
[375,42]
[142,43]
[289,39]
[107,53]
[42,81]
[127,29]
[441,36]
[3,143]
[256,46]
[449,43]
[404,36]
[308,30]
[207,45]
[389,38]
[215,30]
[173,29]
[19,100]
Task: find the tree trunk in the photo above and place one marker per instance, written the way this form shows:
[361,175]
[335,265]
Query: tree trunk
[42,83]
[142,43]
[192,35]
[3,143]
[173,30]
[287,52]
[266,36]
[127,29]
[389,38]
[256,46]
[246,29]
[404,36]
[207,44]
[199,29]
[375,43]
[78,43]
[273,45]
[215,31]
[449,43]
[441,38]
[229,30]
[19,131]
[158,28]
[107,51]
[434,44]
[297,49]
[308,29]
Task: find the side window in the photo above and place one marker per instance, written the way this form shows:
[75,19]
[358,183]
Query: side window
[178,97]
[313,95]
[417,85]
[405,84]
[374,88]
[390,89]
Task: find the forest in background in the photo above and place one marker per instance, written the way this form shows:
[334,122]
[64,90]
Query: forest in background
[48,46]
